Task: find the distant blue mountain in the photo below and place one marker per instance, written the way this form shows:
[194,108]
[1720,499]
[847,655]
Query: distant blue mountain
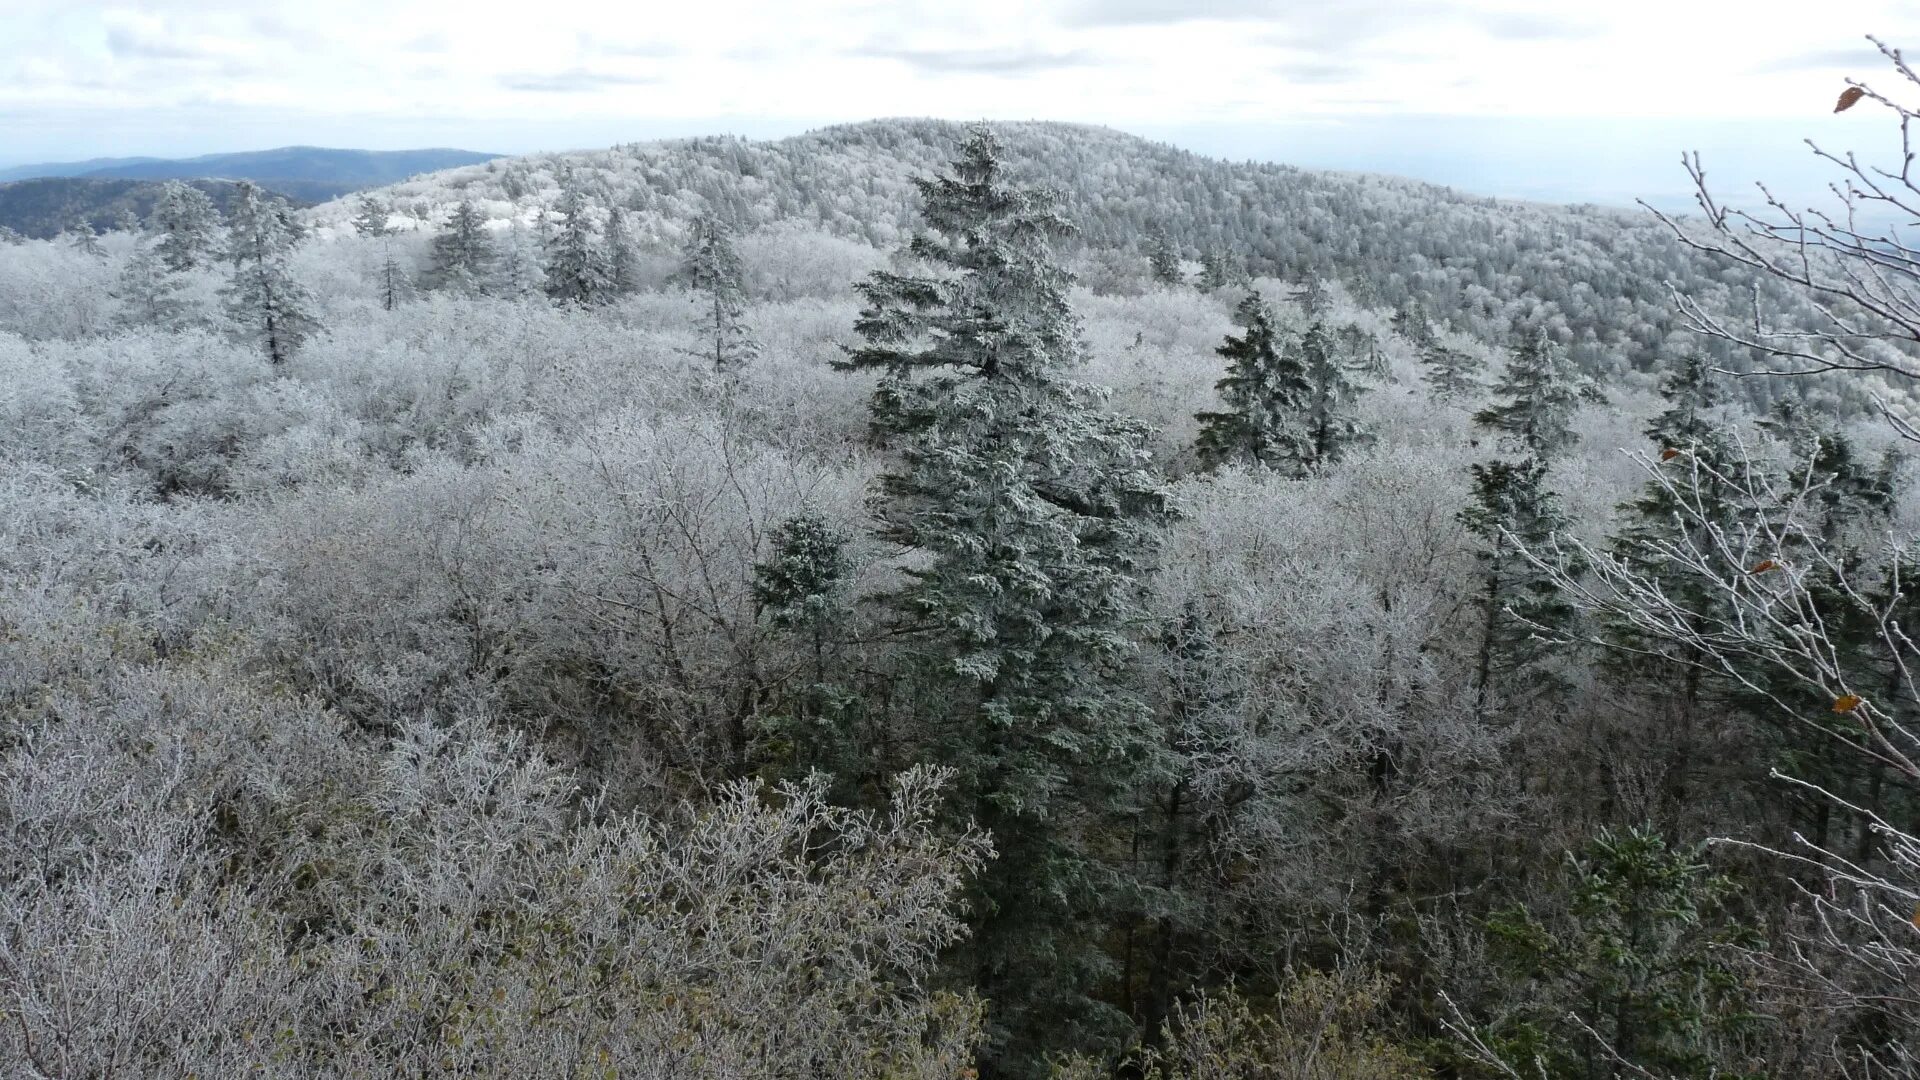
[311,173]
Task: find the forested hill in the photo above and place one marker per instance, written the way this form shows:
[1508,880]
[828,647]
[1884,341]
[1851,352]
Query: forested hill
[45,207]
[1596,276]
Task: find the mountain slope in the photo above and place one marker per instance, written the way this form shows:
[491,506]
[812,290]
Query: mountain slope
[68,168]
[310,173]
[1595,277]
[45,207]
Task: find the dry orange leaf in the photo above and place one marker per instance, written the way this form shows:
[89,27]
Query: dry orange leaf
[1916,916]
[1669,454]
[1848,97]
[1763,566]
[1846,703]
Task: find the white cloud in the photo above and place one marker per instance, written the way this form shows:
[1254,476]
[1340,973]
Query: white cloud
[1120,62]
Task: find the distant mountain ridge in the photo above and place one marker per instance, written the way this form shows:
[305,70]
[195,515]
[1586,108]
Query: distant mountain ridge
[306,173]
[44,207]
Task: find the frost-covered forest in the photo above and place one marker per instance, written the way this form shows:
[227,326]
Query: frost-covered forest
[917,600]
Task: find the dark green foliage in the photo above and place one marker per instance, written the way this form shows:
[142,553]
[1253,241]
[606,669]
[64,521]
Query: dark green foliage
[1313,298]
[1410,321]
[1332,427]
[1641,967]
[1513,512]
[1452,374]
[1268,395]
[711,267]
[1034,513]
[577,268]
[1220,269]
[1542,389]
[264,301]
[1163,259]
[804,583]
[370,219]
[463,253]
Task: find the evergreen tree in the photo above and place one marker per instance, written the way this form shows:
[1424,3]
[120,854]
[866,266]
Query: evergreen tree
[148,295]
[1314,299]
[1268,395]
[1843,489]
[371,218]
[623,262]
[1364,356]
[1638,976]
[1410,322]
[1034,513]
[1512,512]
[518,272]
[1542,391]
[1163,259]
[1218,270]
[709,266]
[82,238]
[1452,374]
[577,269]
[188,225]
[263,300]
[1332,428]
[462,255]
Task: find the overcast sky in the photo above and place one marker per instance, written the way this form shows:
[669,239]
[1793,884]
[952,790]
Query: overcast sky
[1552,100]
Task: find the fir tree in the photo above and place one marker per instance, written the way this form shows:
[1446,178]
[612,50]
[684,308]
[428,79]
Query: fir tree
[1542,391]
[623,262]
[1268,395]
[371,218]
[82,238]
[1331,427]
[1410,322]
[1034,513]
[147,294]
[710,267]
[1364,356]
[577,270]
[1163,259]
[1512,512]
[187,224]
[1452,374]
[461,260]
[518,272]
[1219,270]
[1314,299]
[1641,968]
[263,300]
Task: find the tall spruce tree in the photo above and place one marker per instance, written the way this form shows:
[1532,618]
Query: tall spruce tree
[1034,515]
[370,218]
[1163,259]
[1219,269]
[147,294]
[1268,395]
[711,268]
[577,268]
[1541,390]
[518,272]
[263,300]
[1410,321]
[1451,374]
[1513,512]
[623,261]
[1332,427]
[462,256]
[82,238]
[188,226]
[1314,299]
